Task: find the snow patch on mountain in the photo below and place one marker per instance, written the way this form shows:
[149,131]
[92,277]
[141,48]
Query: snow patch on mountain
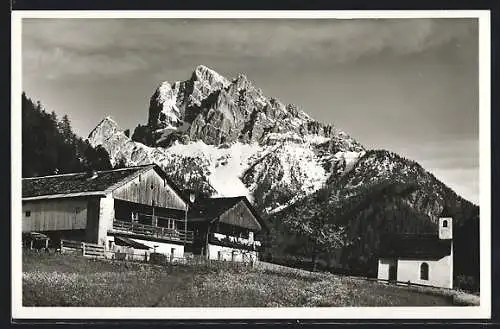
[273,138]
[299,163]
[226,164]
[315,139]
[167,97]
[348,159]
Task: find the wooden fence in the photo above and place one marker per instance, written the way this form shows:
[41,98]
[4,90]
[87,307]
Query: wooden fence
[85,248]
[99,251]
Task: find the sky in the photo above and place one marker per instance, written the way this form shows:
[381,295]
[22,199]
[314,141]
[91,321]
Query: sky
[405,85]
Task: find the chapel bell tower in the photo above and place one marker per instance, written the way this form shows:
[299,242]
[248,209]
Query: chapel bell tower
[445,228]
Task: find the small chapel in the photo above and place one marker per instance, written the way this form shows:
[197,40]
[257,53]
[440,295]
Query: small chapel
[424,259]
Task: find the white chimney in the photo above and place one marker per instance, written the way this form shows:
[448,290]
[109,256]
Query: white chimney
[445,228]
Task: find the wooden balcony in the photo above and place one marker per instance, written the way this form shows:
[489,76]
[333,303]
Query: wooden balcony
[153,231]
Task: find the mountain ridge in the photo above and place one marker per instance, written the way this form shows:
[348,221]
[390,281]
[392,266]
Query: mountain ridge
[232,114]
[211,84]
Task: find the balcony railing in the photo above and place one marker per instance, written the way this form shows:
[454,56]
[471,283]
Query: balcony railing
[154,231]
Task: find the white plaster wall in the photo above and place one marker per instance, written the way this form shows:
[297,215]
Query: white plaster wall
[226,254]
[132,253]
[106,216]
[440,272]
[163,247]
[383,268]
[446,232]
[248,241]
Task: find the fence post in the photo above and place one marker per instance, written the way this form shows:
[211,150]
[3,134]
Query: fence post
[83,248]
[62,243]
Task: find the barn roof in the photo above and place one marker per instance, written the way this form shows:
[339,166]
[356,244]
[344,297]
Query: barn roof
[420,246]
[84,183]
[208,209]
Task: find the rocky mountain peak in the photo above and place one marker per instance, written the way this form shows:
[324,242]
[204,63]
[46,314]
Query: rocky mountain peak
[206,75]
[214,109]
[105,128]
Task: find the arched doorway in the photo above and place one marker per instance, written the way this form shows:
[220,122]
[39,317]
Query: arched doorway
[424,271]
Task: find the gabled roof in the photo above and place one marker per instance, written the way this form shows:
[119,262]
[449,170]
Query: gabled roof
[209,209]
[414,246]
[83,183]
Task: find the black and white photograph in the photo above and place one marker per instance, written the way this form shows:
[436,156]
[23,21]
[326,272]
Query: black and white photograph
[251,164]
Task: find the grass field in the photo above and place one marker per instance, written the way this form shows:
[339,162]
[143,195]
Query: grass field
[66,280]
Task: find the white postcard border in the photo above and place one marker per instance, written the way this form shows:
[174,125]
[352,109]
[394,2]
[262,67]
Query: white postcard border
[480,312]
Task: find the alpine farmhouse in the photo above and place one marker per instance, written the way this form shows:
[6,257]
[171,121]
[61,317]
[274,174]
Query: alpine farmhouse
[138,210]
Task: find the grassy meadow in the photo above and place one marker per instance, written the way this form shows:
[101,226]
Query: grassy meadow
[68,280]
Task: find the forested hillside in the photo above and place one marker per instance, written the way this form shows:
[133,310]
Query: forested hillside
[50,146]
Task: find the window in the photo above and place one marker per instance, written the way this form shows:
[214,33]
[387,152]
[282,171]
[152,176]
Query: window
[27,213]
[134,217]
[424,271]
[171,224]
[77,210]
[445,223]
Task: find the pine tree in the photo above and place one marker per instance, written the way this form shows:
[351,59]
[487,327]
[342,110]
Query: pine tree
[65,129]
[50,146]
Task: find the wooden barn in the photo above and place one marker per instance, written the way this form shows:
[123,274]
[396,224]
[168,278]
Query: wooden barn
[424,259]
[134,208]
[226,229]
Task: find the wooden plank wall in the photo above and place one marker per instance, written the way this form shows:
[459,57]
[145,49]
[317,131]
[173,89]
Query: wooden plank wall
[139,191]
[240,215]
[92,232]
[53,215]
